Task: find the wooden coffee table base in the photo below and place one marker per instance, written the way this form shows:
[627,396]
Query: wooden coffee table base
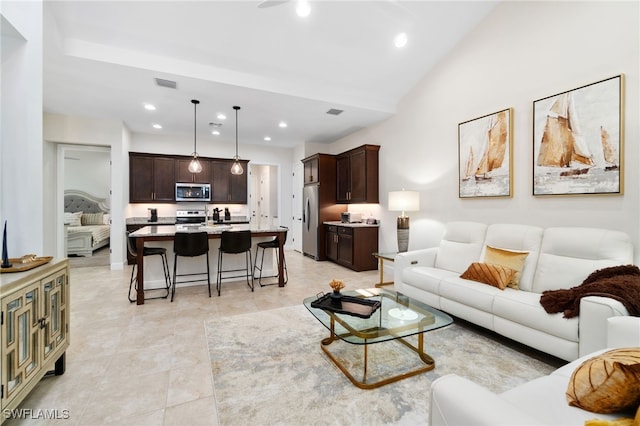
[429,362]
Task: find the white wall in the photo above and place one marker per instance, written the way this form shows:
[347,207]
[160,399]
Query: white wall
[22,163]
[88,169]
[522,52]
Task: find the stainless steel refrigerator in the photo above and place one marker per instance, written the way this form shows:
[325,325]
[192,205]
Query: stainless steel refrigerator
[318,207]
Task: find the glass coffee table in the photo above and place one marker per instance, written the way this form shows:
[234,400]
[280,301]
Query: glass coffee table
[394,318]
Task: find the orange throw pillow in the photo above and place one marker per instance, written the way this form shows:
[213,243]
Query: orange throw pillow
[487,273]
[607,383]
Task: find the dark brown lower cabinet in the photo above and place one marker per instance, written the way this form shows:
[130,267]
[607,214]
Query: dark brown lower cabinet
[352,246]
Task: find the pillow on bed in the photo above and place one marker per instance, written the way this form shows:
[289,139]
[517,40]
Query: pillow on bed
[106,219]
[92,218]
[73,219]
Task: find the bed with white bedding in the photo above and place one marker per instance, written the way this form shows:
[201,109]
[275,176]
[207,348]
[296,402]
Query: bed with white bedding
[87,222]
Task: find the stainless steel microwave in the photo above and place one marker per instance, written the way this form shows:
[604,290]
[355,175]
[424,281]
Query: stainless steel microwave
[193,192]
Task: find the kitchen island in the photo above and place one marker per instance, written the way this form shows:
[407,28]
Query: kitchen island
[166,233]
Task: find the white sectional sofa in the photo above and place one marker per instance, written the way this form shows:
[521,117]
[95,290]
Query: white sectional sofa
[559,258]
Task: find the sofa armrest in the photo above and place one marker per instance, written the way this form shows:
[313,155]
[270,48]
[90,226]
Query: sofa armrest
[422,257]
[594,311]
[623,332]
[459,401]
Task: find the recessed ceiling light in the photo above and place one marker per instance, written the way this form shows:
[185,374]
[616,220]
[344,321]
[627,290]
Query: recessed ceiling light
[221,116]
[401,40]
[215,132]
[267,138]
[282,124]
[303,9]
[149,107]
[157,126]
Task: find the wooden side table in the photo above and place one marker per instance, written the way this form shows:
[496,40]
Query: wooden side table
[381,258]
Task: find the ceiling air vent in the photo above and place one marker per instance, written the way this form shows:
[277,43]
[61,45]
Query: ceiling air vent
[166,83]
[334,111]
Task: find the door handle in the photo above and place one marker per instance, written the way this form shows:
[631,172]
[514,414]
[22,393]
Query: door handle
[304,212]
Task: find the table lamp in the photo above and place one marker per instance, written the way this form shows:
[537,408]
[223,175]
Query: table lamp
[404,201]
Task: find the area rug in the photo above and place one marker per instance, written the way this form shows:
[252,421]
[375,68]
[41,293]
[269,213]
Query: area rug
[268,369]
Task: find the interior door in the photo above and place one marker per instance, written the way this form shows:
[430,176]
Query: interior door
[264,182]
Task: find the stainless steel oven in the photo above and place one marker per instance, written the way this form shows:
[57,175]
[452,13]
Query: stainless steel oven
[184,217]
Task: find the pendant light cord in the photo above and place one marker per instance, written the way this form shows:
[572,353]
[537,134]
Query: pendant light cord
[236,108]
[195,103]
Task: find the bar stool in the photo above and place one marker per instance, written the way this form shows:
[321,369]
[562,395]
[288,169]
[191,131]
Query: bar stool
[273,244]
[148,251]
[235,242]
[190,244]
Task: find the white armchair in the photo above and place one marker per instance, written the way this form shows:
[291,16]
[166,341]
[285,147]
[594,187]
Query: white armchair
[456,400]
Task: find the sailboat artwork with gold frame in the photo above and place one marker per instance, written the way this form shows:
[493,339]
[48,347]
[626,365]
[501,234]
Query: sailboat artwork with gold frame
[489,173]
[578,140]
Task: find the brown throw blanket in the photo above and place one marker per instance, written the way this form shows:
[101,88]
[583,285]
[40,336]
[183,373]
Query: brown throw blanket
[621,283]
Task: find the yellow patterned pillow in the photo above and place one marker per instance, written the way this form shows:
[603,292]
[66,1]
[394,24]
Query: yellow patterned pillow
[607,383]
[494,275]
[509,258]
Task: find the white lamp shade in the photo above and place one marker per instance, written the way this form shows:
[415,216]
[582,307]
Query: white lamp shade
[404,201]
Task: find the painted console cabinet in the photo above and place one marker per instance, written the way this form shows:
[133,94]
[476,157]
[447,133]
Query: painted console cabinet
[34,328]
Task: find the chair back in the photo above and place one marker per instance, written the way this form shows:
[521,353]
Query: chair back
[235,241]
[191,244]
[286,231]
[131,246]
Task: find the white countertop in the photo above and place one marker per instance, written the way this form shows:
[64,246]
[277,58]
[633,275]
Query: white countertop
[169,230]
[352,225]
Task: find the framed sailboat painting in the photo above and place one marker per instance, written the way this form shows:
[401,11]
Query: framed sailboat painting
[578,140]
[484,156]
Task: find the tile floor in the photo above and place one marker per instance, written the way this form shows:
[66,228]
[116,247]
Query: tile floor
[148,365]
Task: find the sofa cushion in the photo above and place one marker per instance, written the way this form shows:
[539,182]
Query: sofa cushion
[511,259]
[461,245]
[487,273]
[515,237]
[569,255]
[469,293]
[425,277]
[524,308]
[607,383]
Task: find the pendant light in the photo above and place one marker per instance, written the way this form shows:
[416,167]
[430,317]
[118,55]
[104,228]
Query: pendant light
[194,165]
[236,168]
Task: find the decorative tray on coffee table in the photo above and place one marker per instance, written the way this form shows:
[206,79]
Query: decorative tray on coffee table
[349,305]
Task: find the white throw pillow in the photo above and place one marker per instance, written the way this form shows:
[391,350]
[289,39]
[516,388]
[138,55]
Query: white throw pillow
[73,219]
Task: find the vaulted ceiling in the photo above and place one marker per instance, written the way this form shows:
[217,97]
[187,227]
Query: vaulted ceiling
[103,59]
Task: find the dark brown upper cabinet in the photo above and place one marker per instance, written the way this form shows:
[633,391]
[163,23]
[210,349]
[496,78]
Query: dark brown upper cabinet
[225,187]
[357,175]
[184,175]
[151,178]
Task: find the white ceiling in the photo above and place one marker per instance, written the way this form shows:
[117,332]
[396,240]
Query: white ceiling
[101,60]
